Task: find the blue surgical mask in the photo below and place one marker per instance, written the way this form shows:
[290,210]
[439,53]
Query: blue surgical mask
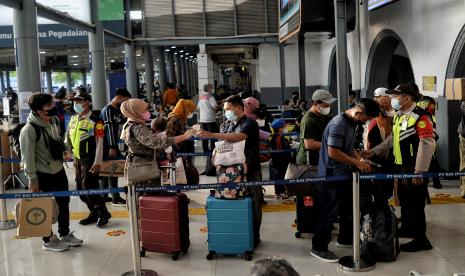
[230,115]
[78,108]
[395,103]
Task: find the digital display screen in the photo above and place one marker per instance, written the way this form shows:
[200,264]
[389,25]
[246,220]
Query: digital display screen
[376,4]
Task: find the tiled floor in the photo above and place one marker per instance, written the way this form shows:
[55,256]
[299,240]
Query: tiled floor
[105,255]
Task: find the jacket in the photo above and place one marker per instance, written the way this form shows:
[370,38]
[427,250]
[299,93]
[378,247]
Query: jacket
[35,155]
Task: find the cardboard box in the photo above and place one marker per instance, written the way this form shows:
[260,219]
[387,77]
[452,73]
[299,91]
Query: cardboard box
[112,168]
[35,217]
[455,89]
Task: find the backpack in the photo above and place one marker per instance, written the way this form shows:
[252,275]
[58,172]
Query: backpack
[379,236]
[280,158]
[16,131]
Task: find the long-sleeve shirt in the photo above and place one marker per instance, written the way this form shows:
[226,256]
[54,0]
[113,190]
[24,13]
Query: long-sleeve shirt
[425,149]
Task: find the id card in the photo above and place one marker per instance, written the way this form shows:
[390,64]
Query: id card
[404,125]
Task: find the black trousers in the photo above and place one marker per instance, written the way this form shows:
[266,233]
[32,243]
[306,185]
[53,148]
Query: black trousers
[110,182]
[57,182]
[257,198]
[412,202]
[210,127]
[86,180]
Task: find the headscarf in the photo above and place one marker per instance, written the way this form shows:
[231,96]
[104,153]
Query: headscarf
[182,108]
[133,110]
[250,104]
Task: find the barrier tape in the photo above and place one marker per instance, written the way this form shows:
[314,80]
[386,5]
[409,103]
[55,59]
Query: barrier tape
[208,153]
[230,185]
[213,139]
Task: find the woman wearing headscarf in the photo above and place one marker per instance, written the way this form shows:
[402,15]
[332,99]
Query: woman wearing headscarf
[177,124]
[140,139]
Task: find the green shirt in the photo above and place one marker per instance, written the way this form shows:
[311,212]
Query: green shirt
[311,127]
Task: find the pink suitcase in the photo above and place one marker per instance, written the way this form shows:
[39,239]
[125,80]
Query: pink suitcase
[164,224]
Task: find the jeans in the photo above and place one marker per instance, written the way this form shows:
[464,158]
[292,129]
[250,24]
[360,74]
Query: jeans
[57,182]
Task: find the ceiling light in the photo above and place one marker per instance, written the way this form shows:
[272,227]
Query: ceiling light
[43,52]
[143,65]
[158,59]
[167,50]
[75,64]
[182,51]
[138,55]
[182,55]
[175,53]
[74,56]
[112,60]
[123,51]
[173,47]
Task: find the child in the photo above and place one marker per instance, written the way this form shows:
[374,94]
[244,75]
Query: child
[279,161]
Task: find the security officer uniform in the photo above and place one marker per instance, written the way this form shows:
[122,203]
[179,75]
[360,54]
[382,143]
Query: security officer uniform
[84,132]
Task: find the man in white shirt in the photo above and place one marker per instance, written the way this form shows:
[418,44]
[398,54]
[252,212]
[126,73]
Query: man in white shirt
[207,117]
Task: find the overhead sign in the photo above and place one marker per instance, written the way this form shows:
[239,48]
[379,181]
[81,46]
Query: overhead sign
[376,4]
[289,18]
[50,33]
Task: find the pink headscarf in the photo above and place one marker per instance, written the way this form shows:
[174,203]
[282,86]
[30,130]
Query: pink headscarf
[250,104]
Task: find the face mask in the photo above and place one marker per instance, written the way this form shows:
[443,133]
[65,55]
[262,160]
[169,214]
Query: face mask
[229,114]
[324,110]
[147,115]
[284,131]
[51,112]
[78,108]
[395,103]
[261,123]
[190,115]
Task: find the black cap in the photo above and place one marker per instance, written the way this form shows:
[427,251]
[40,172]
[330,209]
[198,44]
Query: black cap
[404,88]
[82,95]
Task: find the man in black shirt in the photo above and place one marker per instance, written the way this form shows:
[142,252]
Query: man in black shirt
[112,119]
[239,127]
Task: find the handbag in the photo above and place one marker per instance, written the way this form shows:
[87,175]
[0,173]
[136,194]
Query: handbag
[228,154]
[141,171]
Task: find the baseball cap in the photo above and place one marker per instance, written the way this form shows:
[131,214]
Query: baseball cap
[278,123]
[404,88]
[324,96]
[81,95]
[381,92]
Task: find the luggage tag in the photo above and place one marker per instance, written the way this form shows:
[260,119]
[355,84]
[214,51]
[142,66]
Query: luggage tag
[308,201]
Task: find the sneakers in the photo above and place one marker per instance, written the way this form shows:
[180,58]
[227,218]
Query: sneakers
[119,202]
[344,245]
[55,245]
[71,240]
[325,256]
[416,245]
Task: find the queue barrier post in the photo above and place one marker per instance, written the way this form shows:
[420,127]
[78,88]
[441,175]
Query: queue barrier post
[355,263]
[5,224]
[132,204]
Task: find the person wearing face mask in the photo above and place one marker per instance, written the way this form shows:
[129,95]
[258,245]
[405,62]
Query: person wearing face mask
[312,126]
[43,168]
[85,137]
[279,161]
[113,119]
[207,108]
[177,125]
[239,127]
[412,143]
[338,157]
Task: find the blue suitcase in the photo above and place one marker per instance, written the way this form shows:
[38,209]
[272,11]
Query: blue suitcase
[230,227]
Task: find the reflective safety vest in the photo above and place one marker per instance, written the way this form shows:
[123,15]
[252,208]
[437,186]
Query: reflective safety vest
[405,139]
[82,136]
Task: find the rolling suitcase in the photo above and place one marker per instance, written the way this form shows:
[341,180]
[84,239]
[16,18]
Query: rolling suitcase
[230,227]
[164,224]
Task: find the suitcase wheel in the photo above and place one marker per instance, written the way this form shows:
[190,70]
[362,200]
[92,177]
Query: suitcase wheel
[185,251]
[298,235]
[175,256]
[210,255]
[142,252]
[248,256]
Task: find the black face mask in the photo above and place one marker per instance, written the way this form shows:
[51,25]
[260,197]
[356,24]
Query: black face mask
[52,112]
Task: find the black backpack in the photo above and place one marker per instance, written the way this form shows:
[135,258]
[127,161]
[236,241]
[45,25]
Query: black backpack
[380,242]
[16,131]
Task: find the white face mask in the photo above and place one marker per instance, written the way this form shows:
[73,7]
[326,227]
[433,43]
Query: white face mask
[324,110]
[285,131]
[261,123]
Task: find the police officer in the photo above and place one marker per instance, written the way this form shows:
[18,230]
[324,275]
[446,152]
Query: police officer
[413,144]
[85,137]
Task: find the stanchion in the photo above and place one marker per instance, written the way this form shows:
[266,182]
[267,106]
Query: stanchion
[355,263]
[5,224]
[138,271]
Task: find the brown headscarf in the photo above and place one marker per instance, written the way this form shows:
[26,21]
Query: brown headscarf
[132,109]
[182,108]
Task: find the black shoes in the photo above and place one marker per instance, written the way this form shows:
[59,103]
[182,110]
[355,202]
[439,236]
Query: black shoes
[103,220]
[416,245]
[403,233]
[92,218]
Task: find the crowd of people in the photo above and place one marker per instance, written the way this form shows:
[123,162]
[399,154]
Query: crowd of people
[397,135]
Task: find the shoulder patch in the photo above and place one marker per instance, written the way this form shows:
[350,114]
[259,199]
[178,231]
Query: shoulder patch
[422,124]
